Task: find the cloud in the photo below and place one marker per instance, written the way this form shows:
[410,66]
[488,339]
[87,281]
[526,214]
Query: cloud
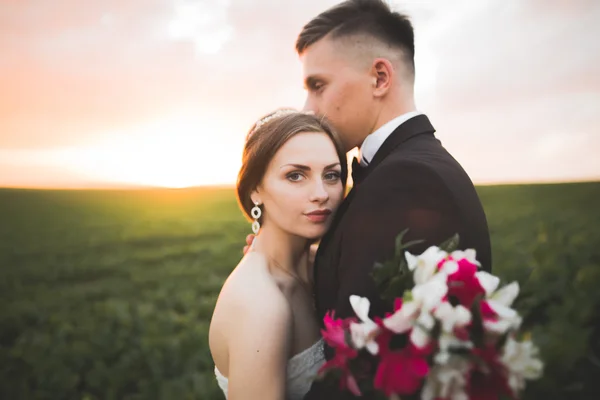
[76,71]
[516,93]
[500,80]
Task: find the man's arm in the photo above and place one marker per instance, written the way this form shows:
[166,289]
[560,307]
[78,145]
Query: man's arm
[381,211]
[416,200]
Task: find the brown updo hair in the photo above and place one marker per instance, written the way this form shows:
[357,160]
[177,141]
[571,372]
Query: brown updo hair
[266,137]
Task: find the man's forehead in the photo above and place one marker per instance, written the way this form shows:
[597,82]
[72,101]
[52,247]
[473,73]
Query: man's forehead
[319,59]
[332,55]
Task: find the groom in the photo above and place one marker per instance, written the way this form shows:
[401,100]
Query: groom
[358,64]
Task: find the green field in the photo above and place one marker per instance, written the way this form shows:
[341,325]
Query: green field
[108,294]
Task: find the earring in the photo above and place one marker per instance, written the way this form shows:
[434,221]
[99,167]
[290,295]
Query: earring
[256,213]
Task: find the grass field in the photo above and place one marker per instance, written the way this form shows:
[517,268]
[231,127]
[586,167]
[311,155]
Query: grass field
[108,294]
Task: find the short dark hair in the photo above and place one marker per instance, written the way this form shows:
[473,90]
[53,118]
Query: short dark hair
[370,17]
[267,136]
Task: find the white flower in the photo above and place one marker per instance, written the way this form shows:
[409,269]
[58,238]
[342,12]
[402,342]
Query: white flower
[520,359]
[502,325]
[425,265]
[363,333]
[449,342]
[487,281]
[447,381]
[451,316]
[449,267]
[500,302]
[425,297]
[506,295]
[430,294]
[469,254]
[402,320]
[419,336]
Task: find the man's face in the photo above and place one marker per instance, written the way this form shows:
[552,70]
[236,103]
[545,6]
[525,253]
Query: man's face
[340,89]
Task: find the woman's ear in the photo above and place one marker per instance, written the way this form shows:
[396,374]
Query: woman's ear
[255,197]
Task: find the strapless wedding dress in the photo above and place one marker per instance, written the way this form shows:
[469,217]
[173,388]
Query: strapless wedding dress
[301,371]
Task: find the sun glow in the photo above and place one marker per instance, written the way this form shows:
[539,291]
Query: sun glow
[175,152]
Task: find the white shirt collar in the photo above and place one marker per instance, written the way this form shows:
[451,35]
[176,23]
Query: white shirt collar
[374,141]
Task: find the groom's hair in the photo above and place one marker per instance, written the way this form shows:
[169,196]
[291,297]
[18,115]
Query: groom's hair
[372,18]
[264,140]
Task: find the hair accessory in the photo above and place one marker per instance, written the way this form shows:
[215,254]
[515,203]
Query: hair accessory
[270,117]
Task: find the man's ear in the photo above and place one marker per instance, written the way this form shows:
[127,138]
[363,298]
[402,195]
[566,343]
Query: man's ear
[383,74]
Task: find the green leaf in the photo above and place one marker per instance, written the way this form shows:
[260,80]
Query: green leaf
[477,331]
[450,244]
[382,273]
[399,240]
[502,340]
[396,287]
[393,277]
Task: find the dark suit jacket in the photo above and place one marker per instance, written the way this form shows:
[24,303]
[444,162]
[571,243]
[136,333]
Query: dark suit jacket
[412,182]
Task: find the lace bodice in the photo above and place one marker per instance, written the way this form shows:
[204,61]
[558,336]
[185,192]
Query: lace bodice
[301,370]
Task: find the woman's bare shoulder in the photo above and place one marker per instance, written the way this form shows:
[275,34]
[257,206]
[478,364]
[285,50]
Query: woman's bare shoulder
[251,287]
[251,311]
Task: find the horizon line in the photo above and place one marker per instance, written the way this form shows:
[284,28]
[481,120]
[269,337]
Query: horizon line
[113,187]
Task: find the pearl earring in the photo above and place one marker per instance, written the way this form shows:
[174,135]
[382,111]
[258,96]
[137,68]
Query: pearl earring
[256,212]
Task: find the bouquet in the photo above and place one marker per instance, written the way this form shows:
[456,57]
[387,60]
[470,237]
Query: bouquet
[452,336]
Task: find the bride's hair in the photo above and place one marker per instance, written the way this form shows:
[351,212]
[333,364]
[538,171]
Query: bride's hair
[267,136]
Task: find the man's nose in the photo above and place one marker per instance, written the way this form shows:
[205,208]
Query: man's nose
[309,106]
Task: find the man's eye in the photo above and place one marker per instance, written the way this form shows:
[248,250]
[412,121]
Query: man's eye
[316,86]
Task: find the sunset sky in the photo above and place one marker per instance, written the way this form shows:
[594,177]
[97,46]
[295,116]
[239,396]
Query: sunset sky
[159,92]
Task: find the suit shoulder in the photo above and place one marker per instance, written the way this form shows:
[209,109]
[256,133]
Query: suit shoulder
[404,170]
[423,160]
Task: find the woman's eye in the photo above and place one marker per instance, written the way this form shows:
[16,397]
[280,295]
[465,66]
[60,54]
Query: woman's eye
[332,176]
[294,176]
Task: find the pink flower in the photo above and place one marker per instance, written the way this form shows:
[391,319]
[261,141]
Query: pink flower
[401,372]
[487,312]
[462,280]
[335,330]
[334,335]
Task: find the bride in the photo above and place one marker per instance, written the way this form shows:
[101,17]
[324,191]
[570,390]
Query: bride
[264,337]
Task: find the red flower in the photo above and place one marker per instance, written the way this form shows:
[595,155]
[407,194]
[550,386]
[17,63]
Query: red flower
[398,303]
[487,379]
[463,283]
[401,372]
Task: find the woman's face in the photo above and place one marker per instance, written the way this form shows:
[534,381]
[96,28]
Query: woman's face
[302,186]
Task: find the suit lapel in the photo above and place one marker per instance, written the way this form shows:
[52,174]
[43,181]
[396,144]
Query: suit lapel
[413,127]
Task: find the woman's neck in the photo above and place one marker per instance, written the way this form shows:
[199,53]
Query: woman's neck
[288,252]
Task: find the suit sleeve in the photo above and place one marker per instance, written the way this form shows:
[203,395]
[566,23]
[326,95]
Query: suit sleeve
[416,200]
[387,204]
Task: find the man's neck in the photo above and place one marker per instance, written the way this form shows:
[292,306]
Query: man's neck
[389,113]
[386,123]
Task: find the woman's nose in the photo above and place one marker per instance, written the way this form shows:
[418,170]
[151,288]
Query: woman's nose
[320,193]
